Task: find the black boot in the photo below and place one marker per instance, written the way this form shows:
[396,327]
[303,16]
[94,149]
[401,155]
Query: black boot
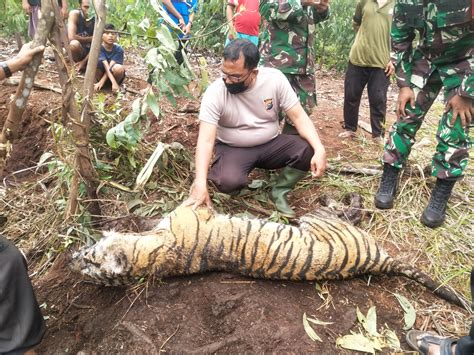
[388,187]
[434,214]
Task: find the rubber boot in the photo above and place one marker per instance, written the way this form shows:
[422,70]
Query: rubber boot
[388,187]
[434,214]
[285,182]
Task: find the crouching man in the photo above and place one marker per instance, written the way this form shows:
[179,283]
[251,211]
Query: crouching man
[239,119]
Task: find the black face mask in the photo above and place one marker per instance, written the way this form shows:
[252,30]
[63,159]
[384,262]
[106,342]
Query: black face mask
[236,88]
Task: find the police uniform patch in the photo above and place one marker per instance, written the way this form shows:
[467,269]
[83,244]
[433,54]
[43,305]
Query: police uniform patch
[268,104]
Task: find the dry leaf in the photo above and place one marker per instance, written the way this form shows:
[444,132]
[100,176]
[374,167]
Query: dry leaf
[410,313]
[356,342]
[309,330]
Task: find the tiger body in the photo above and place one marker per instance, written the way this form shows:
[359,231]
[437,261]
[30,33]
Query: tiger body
[191,241]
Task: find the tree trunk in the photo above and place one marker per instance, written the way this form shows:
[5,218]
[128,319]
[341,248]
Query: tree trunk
[17,106]
[84,170]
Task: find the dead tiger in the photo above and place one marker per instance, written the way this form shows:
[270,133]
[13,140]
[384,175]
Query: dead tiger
[191,241]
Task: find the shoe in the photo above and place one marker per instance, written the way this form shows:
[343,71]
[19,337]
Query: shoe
[346,134]
[285,182]
[425,339]
[435,213]
[388,187]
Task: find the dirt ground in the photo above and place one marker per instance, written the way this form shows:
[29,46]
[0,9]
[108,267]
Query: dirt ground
[212,313]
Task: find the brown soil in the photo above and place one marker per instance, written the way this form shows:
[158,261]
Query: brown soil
[217,312]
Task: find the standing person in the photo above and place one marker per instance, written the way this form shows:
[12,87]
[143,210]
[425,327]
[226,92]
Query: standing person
[369,64]
[288,44]
[33,9]
[443,57]
[182,13]
[243,17]
[239,119]
[110,64]
[80,29]
[21,323]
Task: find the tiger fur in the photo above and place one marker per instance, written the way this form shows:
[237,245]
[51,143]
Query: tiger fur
[191,241]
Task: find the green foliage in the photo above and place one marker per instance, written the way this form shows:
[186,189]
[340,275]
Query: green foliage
[210,28]
[12,18]
[334,36]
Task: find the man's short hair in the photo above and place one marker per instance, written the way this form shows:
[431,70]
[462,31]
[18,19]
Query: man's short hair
[109,26]
[248,49]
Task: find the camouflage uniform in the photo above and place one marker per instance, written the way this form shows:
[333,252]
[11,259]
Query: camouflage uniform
[443,57]
[287,44]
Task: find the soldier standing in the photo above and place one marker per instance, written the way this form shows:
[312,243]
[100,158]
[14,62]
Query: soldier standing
[287,44]
[442,58]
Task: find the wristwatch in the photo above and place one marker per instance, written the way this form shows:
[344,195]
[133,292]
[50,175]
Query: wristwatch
[6,69]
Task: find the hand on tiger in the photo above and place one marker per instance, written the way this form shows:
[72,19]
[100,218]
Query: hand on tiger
[318,162]
[199,195]
[462,107]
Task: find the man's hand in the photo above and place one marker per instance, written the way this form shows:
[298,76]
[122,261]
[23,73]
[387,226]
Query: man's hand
[115,87]
[199,195]
[318,163]
[187,29]
[461,106]
[322,6]
[405,96]
[26,55]
[389,69]
[26,7]
[98,85]
[181,23]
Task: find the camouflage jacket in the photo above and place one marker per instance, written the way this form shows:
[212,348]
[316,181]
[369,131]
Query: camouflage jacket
[288,35]
[446,43]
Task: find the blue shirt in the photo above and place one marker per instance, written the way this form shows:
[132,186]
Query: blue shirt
[116,55]
[185,8]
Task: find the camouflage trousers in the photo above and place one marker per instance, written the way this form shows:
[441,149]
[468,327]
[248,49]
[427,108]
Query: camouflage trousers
[305,88]
[453,142]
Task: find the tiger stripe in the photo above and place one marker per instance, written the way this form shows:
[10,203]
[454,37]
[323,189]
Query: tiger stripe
[191,241]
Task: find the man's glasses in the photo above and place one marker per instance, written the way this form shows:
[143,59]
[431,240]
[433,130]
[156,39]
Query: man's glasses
[235,78]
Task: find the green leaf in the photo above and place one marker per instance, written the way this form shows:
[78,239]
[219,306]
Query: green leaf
[370,322]
[310,331]
[153,103]
[391,339]
[356,342]
[410,313]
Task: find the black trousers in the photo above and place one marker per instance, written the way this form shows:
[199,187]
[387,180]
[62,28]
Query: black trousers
[231,166]
[21,323]
[377,85]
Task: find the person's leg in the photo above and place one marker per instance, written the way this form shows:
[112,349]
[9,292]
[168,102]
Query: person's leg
[305,88]
[377,91]
[354,83]
[21,323]
[449,163]
[76,50]
[401,138]
[33,22]
[293,154]
[118,71]
[231,166]
[285,150]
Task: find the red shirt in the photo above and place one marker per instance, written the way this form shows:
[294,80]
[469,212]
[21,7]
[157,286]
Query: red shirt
[247,18]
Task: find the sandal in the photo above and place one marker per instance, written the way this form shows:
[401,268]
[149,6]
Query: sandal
[445,344]
[346,134]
